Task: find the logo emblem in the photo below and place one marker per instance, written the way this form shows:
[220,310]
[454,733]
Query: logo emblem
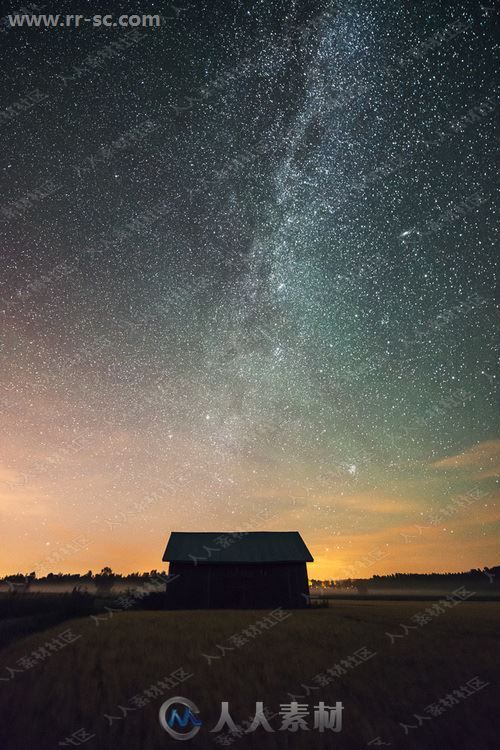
[181,713]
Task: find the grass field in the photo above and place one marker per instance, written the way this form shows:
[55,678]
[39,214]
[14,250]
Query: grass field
[126,655]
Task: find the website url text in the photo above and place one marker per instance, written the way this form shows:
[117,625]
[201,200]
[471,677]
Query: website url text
[65,21]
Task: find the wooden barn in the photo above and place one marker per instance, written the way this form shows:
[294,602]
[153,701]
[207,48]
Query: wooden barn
[253,569]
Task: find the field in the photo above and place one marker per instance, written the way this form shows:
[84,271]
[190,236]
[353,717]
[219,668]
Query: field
[118,661]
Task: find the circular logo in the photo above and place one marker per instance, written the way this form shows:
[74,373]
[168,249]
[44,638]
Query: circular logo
[180,714]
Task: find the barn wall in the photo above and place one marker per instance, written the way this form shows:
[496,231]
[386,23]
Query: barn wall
[237,586]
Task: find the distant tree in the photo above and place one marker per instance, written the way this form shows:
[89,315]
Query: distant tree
[362,586]
[19,583]
[104,580]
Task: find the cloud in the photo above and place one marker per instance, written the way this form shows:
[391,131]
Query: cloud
[483,458]
[470,541]
[7,475]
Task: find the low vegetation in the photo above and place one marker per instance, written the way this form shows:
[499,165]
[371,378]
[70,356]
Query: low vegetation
[119,658]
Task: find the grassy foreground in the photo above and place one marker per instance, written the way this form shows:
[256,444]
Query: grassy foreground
[126,655]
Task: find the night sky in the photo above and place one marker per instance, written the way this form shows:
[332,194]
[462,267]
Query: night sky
[247,282]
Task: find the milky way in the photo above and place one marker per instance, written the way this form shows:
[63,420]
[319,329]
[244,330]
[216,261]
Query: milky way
[248,267]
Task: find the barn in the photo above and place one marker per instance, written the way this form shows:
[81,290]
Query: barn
[247,569]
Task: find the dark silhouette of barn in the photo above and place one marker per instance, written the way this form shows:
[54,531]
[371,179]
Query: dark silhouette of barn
[254,569]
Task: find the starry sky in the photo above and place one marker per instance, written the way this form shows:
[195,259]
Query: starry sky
[247,283]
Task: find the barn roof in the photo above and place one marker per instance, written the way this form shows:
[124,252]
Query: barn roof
[236,547]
